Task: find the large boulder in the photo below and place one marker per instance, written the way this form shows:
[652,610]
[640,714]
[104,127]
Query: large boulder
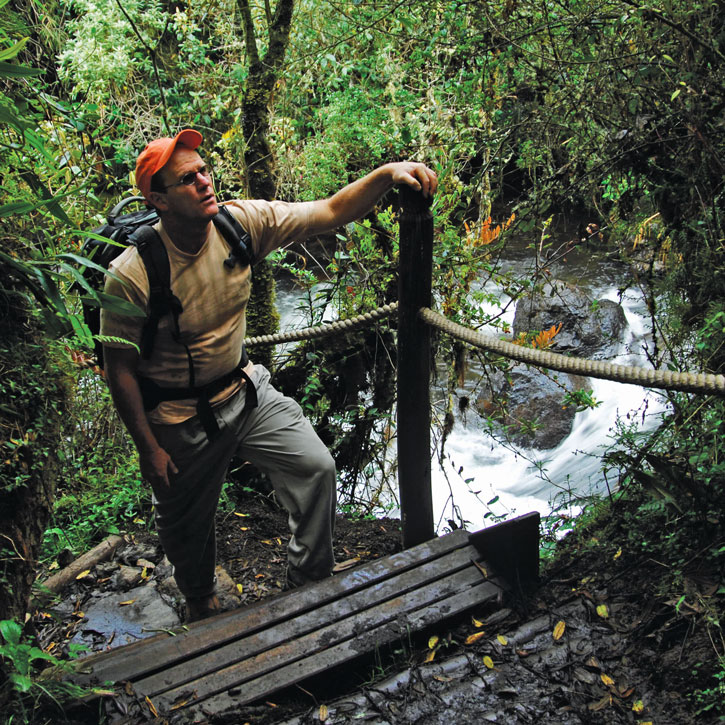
[589,328]
[530,403]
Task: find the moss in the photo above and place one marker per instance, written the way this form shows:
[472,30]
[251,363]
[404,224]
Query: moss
[33,389]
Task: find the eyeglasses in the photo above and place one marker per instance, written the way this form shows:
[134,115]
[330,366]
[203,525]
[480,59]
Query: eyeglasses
[190,178]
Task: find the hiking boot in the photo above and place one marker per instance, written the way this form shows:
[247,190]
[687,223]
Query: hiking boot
[198,608]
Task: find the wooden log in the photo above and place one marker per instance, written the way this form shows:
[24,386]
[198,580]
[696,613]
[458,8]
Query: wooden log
[97,554]
[414,291]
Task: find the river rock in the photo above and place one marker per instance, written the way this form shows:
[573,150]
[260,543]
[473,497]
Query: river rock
[589,328]
[531,404]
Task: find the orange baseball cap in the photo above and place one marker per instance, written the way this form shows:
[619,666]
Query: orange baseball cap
[158,152]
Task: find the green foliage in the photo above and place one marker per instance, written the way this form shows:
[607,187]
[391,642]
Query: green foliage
[24,694]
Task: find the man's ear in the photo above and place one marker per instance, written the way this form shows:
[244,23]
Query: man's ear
[158,200]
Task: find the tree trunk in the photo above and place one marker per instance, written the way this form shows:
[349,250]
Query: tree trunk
[33,392]
[262,316]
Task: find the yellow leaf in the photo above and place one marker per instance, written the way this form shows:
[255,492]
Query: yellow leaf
[488,662]
[83,574]
[53,566]
[126,603]
[430,655]
[638,706]
[559,630]
[502,639]
[154,711]
[618,554]
[433,642]
[607,680]
[323,713]
[474,637]
[476,622]
[602,611]
[244,528]
[240,588]
[236,513]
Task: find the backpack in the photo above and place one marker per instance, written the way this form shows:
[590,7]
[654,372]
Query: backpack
[122,230]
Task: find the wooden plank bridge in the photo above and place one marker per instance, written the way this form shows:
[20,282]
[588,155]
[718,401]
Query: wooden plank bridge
[235,658]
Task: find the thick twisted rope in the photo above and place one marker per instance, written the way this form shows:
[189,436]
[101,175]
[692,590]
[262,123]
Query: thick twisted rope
[332,328]
[666,379]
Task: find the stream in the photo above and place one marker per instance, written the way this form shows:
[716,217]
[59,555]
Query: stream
[479,479]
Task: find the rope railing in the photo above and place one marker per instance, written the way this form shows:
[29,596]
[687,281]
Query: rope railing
[645,377]
[330,328]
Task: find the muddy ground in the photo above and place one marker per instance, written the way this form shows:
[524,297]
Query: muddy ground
[594,642]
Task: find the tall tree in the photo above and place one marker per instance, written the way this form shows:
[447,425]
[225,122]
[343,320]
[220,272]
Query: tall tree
[264,71]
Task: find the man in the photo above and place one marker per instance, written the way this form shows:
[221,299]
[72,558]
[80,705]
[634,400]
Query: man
[185,444]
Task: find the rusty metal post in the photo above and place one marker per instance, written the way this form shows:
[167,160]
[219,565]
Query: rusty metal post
[414,292]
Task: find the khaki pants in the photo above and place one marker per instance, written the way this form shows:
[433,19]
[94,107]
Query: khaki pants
[277,439]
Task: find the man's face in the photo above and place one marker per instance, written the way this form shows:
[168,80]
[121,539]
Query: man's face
[193,202]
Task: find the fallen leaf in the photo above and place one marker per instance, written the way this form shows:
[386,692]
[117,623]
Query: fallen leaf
[474,637]
[638,706]
[607,680]
[558,632]
[481,568]
[429,657]
[346,564]
[618,554]
[606,701]
[442,678]
[322,713]
[126,603]
[244,528]
[236,513]
[240,588]
[602,611]
[154,711]
[83,574]
[476,622]
[488,662]
[502,639]
[433,641]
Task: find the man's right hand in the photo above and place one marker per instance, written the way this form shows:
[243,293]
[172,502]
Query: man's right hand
[156,466]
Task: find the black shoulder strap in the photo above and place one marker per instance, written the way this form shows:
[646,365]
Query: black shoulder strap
[162,301]
[238,239]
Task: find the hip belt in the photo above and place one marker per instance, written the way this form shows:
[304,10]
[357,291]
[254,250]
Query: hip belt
[153,394]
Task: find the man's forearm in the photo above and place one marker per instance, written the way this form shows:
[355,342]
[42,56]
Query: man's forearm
[356,199]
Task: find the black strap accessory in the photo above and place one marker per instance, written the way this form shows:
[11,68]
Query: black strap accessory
[153,394]
[238,239]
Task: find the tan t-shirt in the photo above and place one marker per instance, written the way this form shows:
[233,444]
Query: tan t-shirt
[213,297]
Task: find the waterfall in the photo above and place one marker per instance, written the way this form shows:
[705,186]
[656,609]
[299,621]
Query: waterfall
[477,470]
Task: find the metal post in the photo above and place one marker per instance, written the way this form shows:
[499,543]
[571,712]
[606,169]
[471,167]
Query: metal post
[414,292]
